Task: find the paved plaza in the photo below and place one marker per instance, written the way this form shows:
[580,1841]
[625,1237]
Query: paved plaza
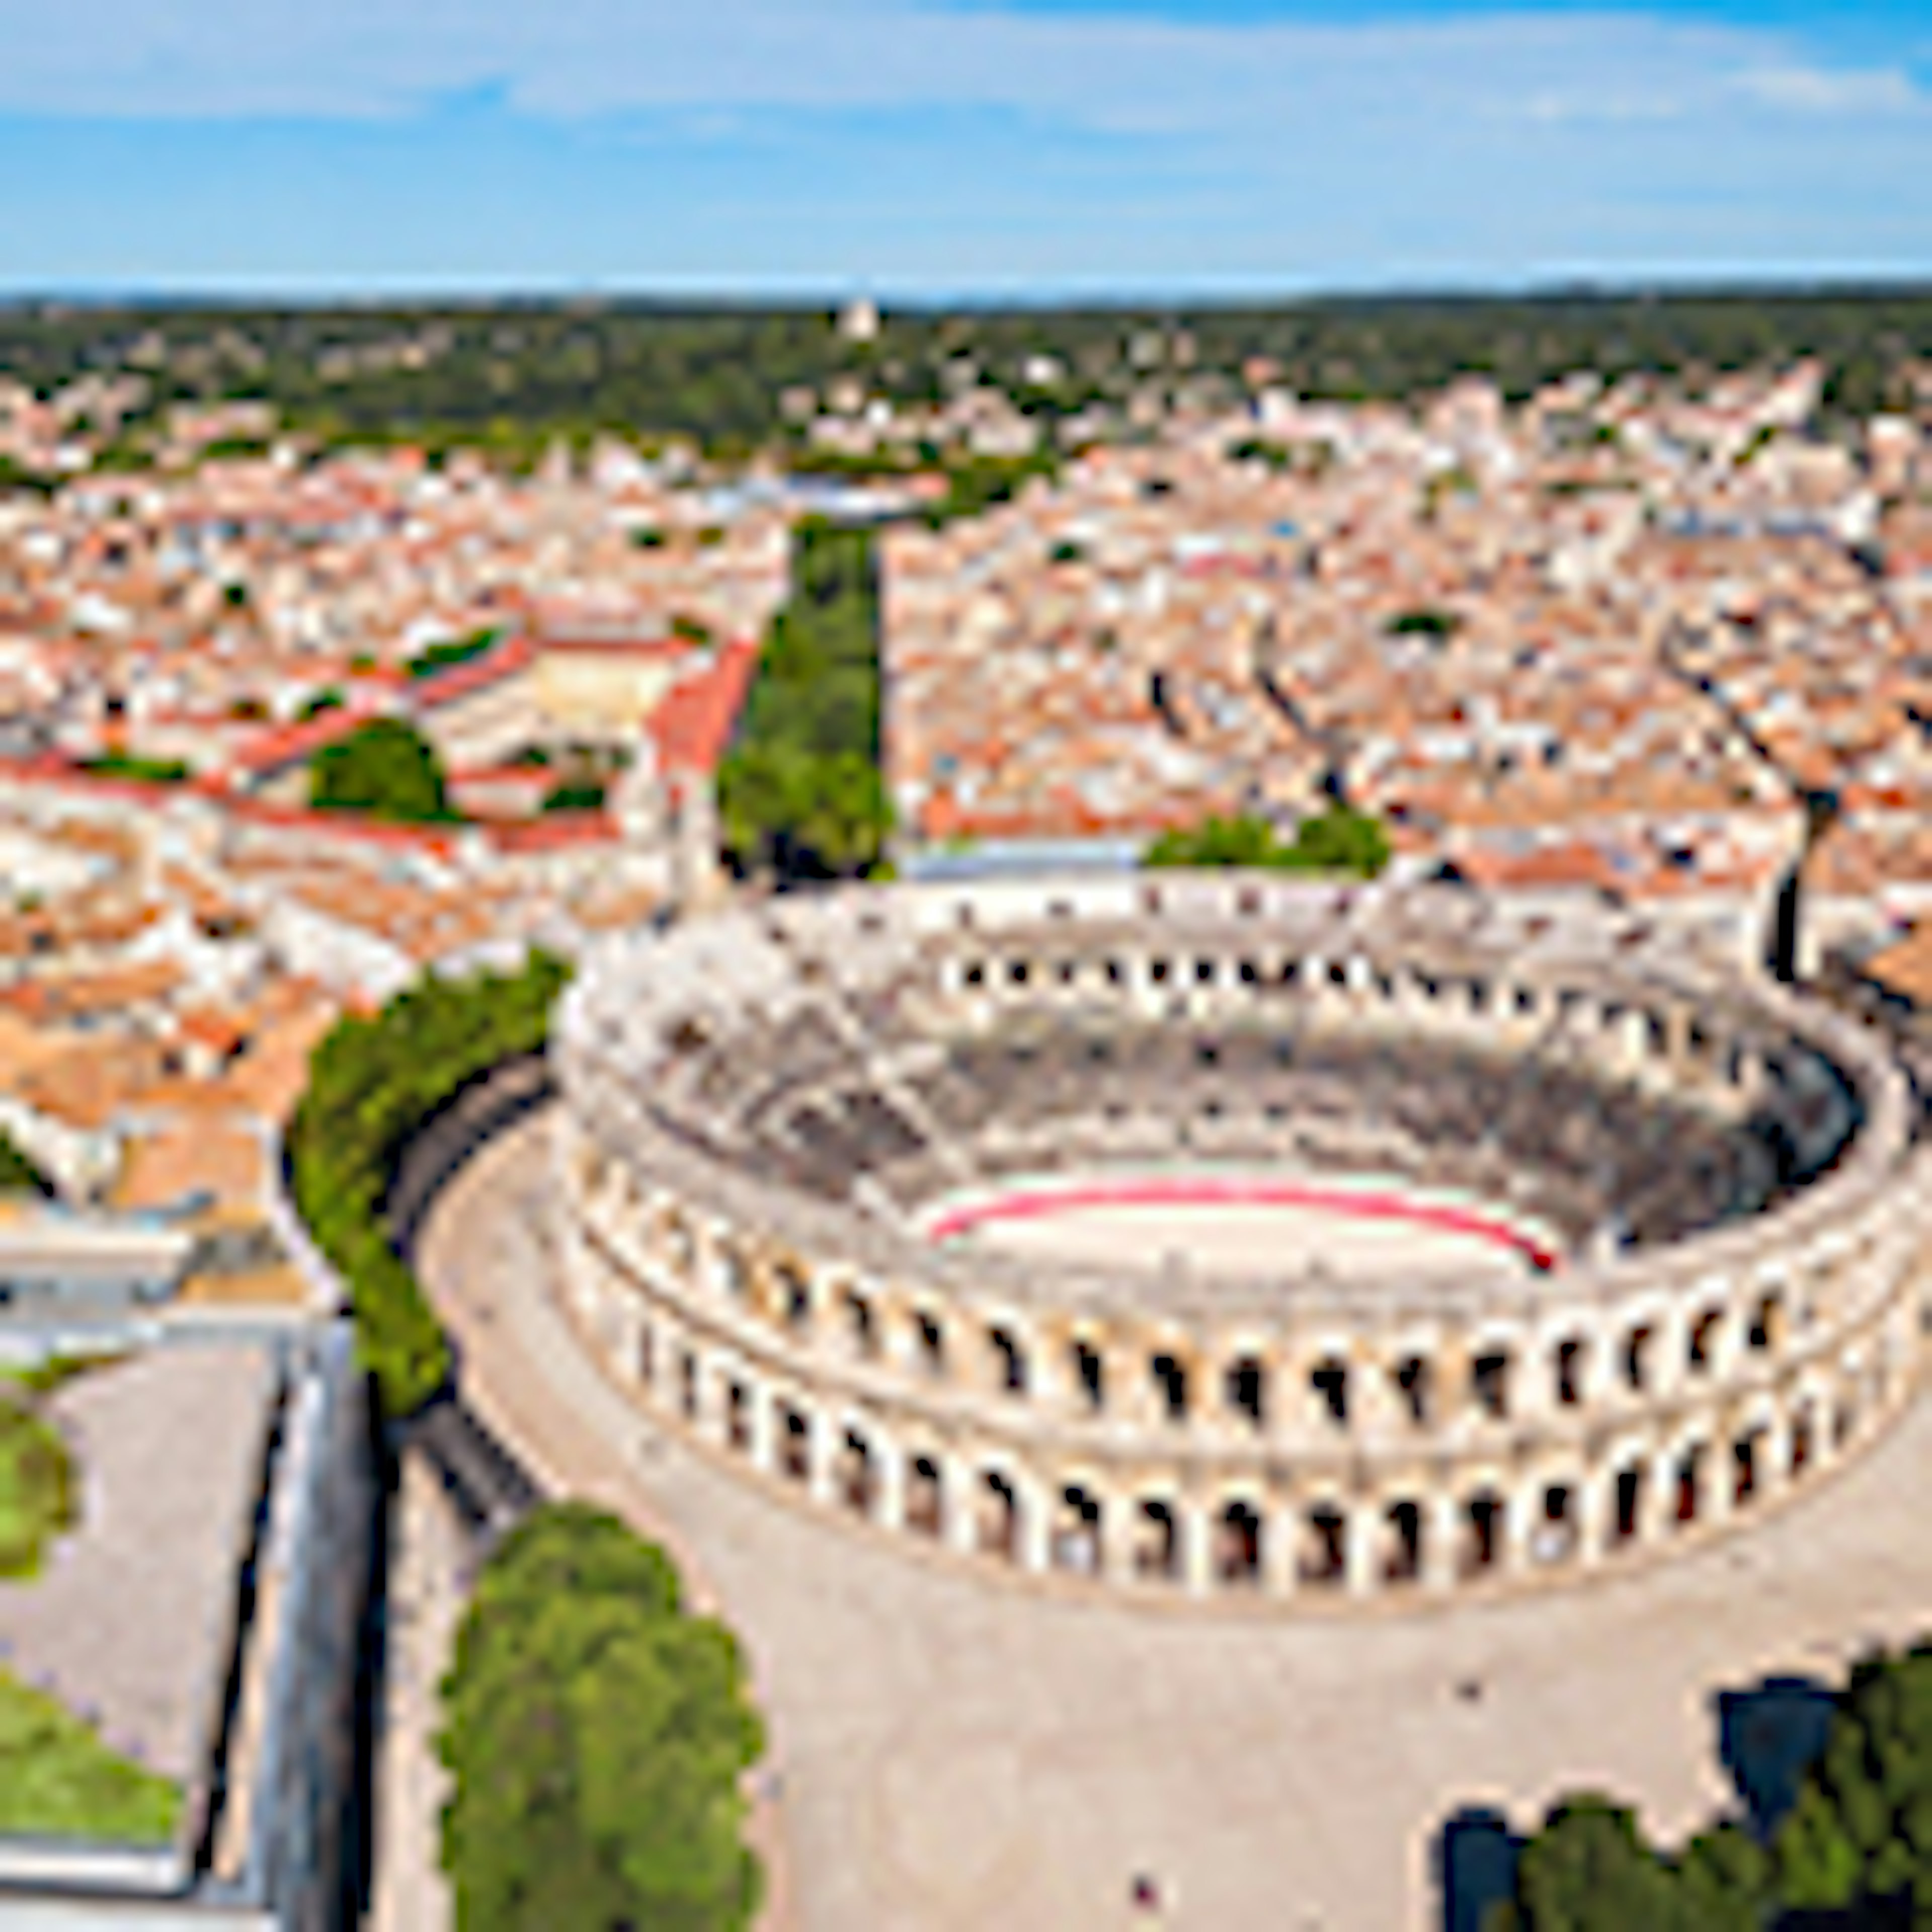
[957,1754]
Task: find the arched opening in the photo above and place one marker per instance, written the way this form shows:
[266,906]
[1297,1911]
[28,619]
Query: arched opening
[738,1416]
[1629,1503]
[1329,1382]
[858,1474]
[1325,1559]
[1690,1484]
[1744,1458]
[796,1455]
[1637,1357]
[1482,1543]
[1767,1325]
[999,1525]
[1570,1374]
[1412,1378]
[1076,1535]
[647,1355]
[1489,1383]
[861,1323]
[1801,1440]
[1701,1351]
[925,1508]
[1240,1544]
[687,1385]
[1090,1373]
[795,1297]
[1403,1564]
[1170,1381]
[1247,1389]
[1009,1364]
[931,1343]
[1157,1550]
[1555,1539]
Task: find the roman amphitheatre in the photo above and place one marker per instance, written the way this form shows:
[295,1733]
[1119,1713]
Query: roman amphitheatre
[1411,1348]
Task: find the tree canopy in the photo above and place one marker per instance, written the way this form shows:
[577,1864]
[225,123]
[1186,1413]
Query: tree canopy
[801,788]
[385,768]
[597,1736]
[1854,1851]
[18,1173]
[1338,840]
[372,1083]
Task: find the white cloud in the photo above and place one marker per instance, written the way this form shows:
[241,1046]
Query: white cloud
[1813,90]
[1216,82]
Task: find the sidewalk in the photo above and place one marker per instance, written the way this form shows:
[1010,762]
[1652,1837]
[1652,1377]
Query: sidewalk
[425,1602]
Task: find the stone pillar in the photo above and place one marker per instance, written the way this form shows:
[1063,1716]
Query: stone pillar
[764,1425]
[1196,1529]
[889,1463]
[1361,1525]
[1036,1505]
[1281,1536]
[1442,1523]
[1523,1518]
[959,1503]
[1596,1515]
[1118,1525]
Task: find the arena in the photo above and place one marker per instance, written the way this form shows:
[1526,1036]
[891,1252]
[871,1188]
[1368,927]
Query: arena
[1238,1239]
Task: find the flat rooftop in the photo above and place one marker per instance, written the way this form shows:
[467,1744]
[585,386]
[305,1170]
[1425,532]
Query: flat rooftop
[131,1621]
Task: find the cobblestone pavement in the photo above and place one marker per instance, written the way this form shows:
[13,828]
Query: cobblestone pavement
[960,1755]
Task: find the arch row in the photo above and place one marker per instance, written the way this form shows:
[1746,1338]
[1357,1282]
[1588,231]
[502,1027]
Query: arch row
[1151,1511]
[1298,1380]
[1329,1532]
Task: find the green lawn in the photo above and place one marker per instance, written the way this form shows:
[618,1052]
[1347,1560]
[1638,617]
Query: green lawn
[57,1779]
[37,1489]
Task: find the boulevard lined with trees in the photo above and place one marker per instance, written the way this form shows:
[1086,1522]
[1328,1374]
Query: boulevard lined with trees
[800,791]
[372,1083]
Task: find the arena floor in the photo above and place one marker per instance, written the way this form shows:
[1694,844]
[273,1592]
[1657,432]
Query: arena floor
[1233,1223]
[955,1754]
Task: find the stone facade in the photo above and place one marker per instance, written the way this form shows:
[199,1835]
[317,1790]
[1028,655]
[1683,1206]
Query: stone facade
[1294,1436]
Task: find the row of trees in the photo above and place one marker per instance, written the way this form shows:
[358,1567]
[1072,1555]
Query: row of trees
[1854,1853]
[801,791]
[597,1736]
[372,1082]
[1338,840]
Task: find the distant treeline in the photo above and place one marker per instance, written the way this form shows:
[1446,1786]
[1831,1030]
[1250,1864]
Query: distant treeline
[511,375]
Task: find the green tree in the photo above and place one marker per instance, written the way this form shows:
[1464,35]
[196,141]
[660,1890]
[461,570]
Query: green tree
[1862,1830]
[597,1736]
[1338,840]
[18,1174]
[574,795]
[800,787]
[1243,841]
[1589,1870]
[385,768]
[372,1083]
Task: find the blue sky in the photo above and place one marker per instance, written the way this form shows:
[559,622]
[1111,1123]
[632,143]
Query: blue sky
[955,146]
